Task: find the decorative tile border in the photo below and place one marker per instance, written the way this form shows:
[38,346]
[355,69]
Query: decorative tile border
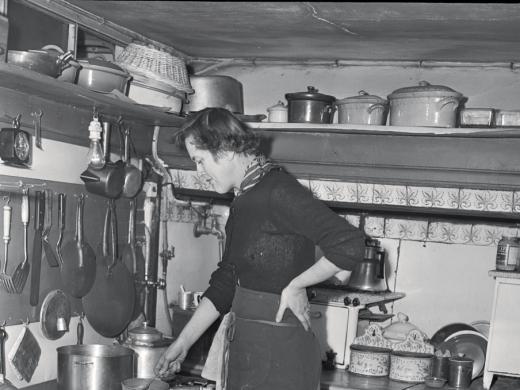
[396,228]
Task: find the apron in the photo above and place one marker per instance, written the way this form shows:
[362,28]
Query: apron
[264,354]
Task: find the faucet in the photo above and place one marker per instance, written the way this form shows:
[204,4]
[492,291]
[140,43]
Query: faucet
[201,226]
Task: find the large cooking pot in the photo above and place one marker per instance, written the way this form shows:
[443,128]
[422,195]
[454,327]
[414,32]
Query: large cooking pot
[94,366]
[363,109]
[425,105]
[310,107]
[41,61]
[215,91]
[149,345]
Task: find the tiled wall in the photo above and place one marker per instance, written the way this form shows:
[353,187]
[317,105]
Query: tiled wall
[416,229]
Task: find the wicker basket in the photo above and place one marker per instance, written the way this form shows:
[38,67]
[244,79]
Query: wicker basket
[155,64]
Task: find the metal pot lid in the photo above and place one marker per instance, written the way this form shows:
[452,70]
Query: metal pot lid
[145,333]
[424,89]
[311,94]
[362,97]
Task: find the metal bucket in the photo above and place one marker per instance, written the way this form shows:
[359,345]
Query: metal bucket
[94,367]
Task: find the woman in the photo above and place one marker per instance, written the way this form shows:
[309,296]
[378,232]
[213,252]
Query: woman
[273,227]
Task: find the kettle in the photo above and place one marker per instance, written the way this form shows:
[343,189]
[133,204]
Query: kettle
[148,344]
[369,274]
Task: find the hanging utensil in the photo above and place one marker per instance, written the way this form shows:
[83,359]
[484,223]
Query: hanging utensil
[47,248]
[62,198]
[22,270]
[39,211]
[78,270]
[109,305]
[5,279]
[4,383]
[133,179]
[129,258]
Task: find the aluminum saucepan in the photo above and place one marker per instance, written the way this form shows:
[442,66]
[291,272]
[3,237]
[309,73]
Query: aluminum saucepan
[41,61]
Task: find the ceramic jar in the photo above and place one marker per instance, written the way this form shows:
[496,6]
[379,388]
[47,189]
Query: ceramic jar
[425,105]
[370,353]
[278,113]
[363,109]
[369,361]
[411,359]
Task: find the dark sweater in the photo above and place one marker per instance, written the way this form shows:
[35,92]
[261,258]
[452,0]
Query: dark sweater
[270,237]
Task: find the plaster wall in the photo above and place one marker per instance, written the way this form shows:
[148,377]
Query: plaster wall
[443,283]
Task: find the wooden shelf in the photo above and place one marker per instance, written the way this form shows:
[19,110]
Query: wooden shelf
[433,157]
[67,109]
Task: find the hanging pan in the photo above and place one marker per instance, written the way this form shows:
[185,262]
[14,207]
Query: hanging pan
[109,305]
[78,261]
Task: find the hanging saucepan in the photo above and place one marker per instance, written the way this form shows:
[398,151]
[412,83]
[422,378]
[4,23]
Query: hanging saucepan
[109,180]
[310,107]
[133,179]
[110,303]
[41,61]
[363,109]
[425,105]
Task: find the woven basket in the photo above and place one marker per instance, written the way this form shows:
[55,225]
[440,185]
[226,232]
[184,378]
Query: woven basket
[155,64]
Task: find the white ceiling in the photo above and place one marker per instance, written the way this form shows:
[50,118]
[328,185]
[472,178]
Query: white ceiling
[324,30]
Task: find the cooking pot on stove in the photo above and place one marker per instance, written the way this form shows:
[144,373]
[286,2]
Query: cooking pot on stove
[148,344]
[310,107]
[94,366]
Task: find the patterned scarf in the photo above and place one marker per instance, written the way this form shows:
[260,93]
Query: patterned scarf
[257,169]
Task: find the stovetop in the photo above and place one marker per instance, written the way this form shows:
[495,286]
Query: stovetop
[342,297]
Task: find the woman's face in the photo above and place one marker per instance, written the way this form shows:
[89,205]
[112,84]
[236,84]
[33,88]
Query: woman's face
[220,169]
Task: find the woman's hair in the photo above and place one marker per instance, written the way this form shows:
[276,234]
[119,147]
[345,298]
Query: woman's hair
[218,130]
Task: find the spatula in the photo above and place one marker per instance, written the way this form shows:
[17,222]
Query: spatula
[22,270]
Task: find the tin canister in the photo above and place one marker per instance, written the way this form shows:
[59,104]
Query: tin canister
[460,372]
[508,253]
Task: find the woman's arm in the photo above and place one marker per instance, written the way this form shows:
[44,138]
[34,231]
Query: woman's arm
[201,320]
[294,296]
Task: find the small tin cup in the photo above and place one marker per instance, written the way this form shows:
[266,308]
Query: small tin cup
[440,367]
[460,372]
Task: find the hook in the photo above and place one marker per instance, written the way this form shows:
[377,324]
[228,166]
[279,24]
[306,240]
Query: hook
[16,121]
[7,199]
[26,323]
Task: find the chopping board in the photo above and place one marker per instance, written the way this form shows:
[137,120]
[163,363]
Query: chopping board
[25,355]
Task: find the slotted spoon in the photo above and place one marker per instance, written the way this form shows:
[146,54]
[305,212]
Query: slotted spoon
[22,270]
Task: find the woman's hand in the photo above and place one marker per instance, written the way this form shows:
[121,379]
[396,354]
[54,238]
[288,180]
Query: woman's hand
[295,298]
[170,361]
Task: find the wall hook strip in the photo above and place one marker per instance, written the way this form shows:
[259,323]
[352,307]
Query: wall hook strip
[22,185]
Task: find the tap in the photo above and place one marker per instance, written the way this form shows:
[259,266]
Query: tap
[201,227]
